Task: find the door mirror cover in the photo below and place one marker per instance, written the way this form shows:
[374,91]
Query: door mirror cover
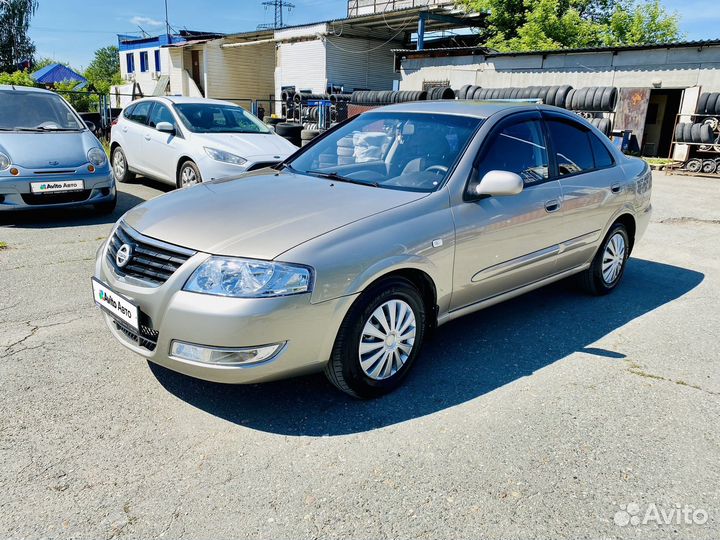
[499,184]
[165,127]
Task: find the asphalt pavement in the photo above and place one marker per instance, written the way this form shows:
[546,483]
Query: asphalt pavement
[554,415]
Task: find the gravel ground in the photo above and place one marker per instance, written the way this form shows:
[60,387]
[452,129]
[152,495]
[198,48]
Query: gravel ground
[552,415]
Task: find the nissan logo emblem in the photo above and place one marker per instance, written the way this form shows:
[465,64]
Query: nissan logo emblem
[123,256]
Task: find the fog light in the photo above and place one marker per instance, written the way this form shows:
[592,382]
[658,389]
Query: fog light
[14,171]
[225,357]
[91,168]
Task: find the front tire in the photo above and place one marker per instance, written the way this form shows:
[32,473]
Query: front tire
[188,175]
[608,266]
[379,339]
[121,172]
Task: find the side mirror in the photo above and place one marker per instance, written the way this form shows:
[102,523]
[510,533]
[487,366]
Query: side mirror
[91,126]
[499,183]
[165,127]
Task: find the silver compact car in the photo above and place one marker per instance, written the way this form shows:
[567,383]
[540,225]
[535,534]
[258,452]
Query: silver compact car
[343,257]
[48,156]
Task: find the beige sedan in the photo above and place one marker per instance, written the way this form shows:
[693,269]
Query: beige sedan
[343,257]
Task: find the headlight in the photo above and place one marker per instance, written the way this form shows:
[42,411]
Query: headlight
[246,278]
[97,156]
[4,162]
[226,157]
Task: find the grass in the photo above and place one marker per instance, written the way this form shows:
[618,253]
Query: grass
[106,145]
[659,161]
[3,245]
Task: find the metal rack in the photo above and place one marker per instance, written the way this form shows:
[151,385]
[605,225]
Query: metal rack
[701,155]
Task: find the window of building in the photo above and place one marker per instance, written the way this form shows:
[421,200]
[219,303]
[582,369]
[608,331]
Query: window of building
[130,60]
[157,60]
[144,61]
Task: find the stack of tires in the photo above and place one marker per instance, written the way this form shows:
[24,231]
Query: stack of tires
[603,124]
[290,131]
[386,97]
[550,95]
[592,99]
[307,135]
[696,132]
[440,92]
[706,166]
[709,103]
[345,151]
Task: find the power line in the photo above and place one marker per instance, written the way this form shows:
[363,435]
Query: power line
[279,6]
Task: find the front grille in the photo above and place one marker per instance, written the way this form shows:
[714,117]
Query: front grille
[56,172]
[151,260]
[261,165]
[35,199]
[147,338]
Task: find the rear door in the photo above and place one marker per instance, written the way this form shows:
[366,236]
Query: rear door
[591,183]
[504,243]
[134,130]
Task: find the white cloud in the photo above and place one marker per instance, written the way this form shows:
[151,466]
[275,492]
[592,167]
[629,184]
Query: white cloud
[146,21]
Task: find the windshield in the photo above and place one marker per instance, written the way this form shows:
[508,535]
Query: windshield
[214,118]
[36,111]
[407,151]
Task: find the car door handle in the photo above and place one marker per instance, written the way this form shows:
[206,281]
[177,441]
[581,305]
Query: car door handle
[124,130]
[552,206]
[615,188]
[147,137]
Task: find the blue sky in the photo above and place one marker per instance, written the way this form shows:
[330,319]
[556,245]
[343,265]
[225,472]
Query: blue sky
[70,30]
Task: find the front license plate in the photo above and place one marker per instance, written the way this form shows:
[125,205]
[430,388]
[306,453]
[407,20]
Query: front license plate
[116,305]
[57,186]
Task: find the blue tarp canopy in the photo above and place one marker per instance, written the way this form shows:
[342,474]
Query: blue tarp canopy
[57,73]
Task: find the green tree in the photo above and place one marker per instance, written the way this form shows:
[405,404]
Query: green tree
[104,70]
[526,25]
[17,78]
[15,44]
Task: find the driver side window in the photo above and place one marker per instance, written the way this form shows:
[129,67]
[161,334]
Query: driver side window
[517,147]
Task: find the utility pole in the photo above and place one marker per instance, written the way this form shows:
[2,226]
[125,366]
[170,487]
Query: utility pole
[280,6]
[167,21]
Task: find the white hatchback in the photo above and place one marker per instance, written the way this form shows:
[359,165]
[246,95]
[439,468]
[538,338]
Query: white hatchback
[183,141]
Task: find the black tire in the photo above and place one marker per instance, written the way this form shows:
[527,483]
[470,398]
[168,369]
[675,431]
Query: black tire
[188,165]
[124,176]
[463,91]
[344,369]
[587,103]
[309,134]
[694,165]
[709,166]
[706,134]
[695,133]
[597,99]
[579,99]
[687,132]
[570,99]
[609,99]
[592,280]
[702,103]
[679,132]
[711,103]
[717,106]
[551,95]
[561,96]
[480,93]
[106,208]
[604,125]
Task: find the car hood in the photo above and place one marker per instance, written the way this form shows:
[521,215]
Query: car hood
[259,215]
[47,150]
[248,145]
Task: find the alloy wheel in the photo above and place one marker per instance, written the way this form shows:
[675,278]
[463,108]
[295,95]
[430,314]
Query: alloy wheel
[613,258]
[387,339]
[118,164]
[188,176]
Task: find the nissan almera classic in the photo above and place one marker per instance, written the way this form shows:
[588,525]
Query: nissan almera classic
[342,258]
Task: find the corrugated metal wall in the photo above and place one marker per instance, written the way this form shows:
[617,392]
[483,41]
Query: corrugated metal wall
[360,63]
[301,64]
[240,72]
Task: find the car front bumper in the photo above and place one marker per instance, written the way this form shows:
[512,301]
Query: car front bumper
[308,330]
[15,192]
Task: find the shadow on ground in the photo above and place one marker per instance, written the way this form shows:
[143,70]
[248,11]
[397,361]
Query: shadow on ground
[464,359]
[73,217]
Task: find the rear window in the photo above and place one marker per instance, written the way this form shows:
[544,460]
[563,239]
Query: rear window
[572,147]
[603,157]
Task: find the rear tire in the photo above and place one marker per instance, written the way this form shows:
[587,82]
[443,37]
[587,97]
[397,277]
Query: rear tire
[380,322]
[120,169]
[608,266]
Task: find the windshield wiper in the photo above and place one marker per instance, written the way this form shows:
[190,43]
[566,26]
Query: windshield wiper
[42,129]
[332,175]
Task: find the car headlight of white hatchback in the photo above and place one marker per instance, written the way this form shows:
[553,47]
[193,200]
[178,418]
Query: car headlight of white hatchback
[225,157]
[4,162]
[248,278]
[97,156]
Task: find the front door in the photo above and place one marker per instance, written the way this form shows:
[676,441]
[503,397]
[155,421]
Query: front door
[506,242]
[196,72]
[162,147]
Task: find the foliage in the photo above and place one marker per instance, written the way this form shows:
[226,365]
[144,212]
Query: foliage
[526,25]
[17,78]
[104,70]
[15,44]
[81,100]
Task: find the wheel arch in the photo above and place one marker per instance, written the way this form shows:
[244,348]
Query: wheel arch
[181,161]
[628,220]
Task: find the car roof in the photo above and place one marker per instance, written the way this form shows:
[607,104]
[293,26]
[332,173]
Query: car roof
[472,108]
[18,88]
[184,99]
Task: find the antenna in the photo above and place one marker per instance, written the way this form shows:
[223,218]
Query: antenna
[279,6]
[167,20]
